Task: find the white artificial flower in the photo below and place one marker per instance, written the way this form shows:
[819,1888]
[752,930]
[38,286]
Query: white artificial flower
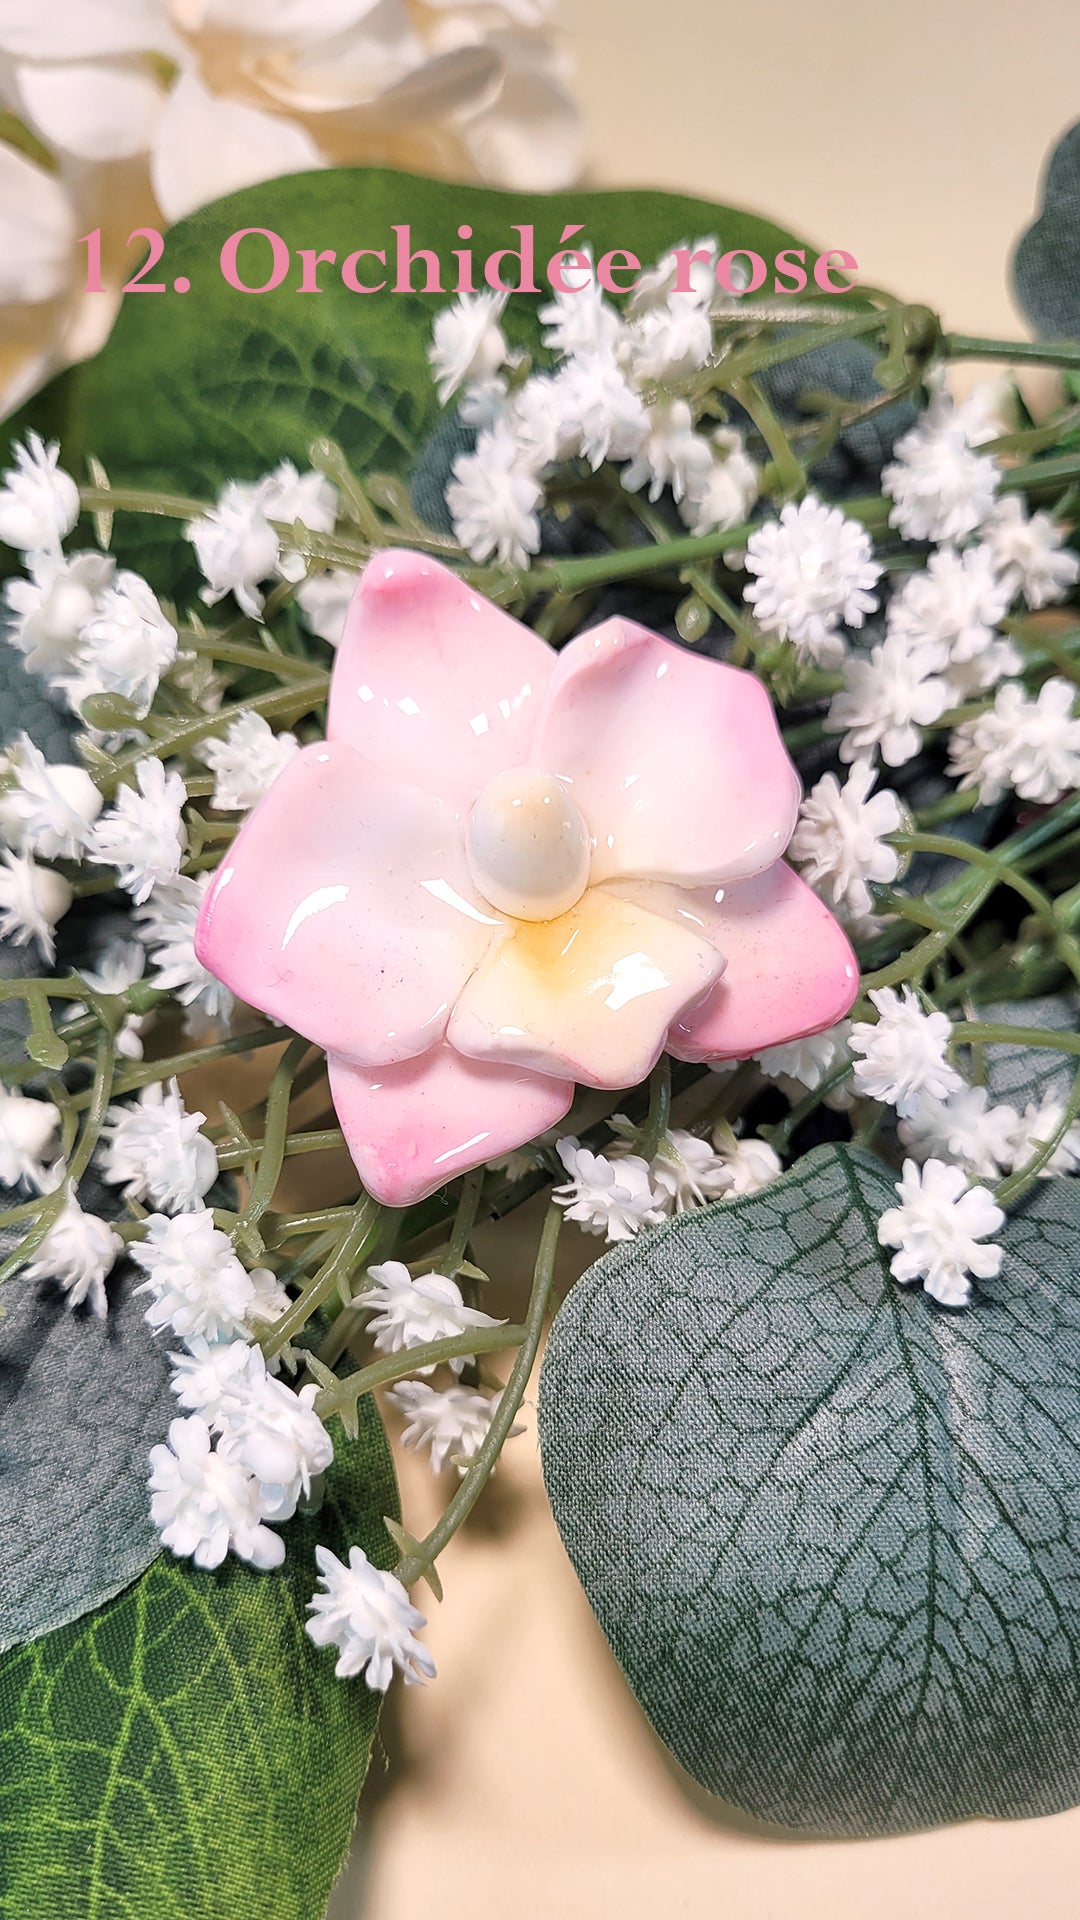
[613,1198]
[807,1062]
[903,1053]
[955,603]
[209,1375]
[39,502]
[196,1284]
[671,341]
[51,608]
[493,500]
[610,416]
[1030,745]
[324,599]
[941,488]
[288,496]
[727,492]
[276,1436]
[886,700]
[452,1423]
[545,421]
[78,1252]
[142,835]
[484,403]
[119,964]
[166,924]
[581,321]
[124,648]
[749,1164]
[409,1312]
[1038,1125]
[367,1614]
[1030,553]
[938,1227]
[671,455]
[684,1172]
[967,678]
[814,569]
[156,1153]
[839,843]
[964,1128]
[203,1503]
[50,808]
[236,547]
[467,342]
[32,900]
[27,1130]
[271,1298]
[246,762]
[658,285]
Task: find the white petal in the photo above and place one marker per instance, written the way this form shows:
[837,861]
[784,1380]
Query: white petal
[104,111]
[208,147]
[85,29]
[37,228]
[274,19]
[532,139]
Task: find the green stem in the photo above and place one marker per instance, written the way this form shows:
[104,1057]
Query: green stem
[275,1132]
[658,1118]
[464,1221]
[353,1244]
[409,1361]
[1038,353]
[281,703]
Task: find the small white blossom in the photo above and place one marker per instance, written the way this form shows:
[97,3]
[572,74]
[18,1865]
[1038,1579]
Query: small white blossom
[937,1227]
[119,964]
[467,342]
[966,678]
[288,496]
[1040,1124]
[582,321]
[142,835]
[684,1172]
[53,605]
[750,1164]
[203,1503]
[903,1054]
[670,342]
[484,403]
[493,500]
[964,1128]
[612,423]
[156,1153]
[32,900]
[324,599]
[78,1252]
[453,1423]
[276,1436]
[409,1312]
[839,843]
[367,1614]
[124,648]
[1030,745]
[271,1298]
[196,1284]
[236,547]
[50,808]
[247,761]
[545,421]
[941,488]
[209,1375]
[658,285]
[166,923]
[614,1198]
[955,603]
[728,491]
[672,454]
[814,568]
[886,700]
[806,1063]
[39,502]
[1030,553]
[27,1129]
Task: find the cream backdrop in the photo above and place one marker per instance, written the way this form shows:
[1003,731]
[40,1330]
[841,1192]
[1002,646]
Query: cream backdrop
[524,1784]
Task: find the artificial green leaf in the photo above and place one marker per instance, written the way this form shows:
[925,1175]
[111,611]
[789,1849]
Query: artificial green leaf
[186,1753]
[831,1530]
[83,1402]
[1046,265]
[1021,1075]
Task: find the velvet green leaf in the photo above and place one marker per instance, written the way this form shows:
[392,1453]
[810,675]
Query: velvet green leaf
[185,1753]
[831,1530]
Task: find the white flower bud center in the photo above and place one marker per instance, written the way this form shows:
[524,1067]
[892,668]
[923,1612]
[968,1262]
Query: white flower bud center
[527,845]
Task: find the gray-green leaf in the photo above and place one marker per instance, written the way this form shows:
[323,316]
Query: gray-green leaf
[831,1531]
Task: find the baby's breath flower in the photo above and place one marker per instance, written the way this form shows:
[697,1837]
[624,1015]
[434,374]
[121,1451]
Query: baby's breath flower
[78,1253]
[51,808]
[32,900]
[409,1312]
[671,341]
[124,648]
[156,1153]
[941,488]
[672,454]
[27,1129]
[246,762]
[613,1198]
[611,421]
[166,924]
[806,1063]
[964,1128]
[39,502]
[956,602]
[236,547]
[938,1227]
[119,964]
[749,1164]
[452,1424]
[276,1436]
[323,599]
[725,494]
[581,322]
[814,569]
[366,1613]
[684,1172]
[203,1503]
[143,835]
[51,608]
[1030,745]
[903,1053]
[196,1284]
[840,840]
[886,700]
[493,500]
[1038,1125]
[1030,554]
[467,342]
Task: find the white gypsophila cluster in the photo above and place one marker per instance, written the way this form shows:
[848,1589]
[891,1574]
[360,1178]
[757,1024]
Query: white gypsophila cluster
[840,843]
[125,647]
[246,761]
[39,502]
[685,1171]
[750,1163]
[608,1197]
[1030,554]
[452,1424]
[493,500]
[948,615]
[142,835]
[1031,745]
[33,899]
[801,1066]
[367,1615]
[618,1194]
[941,486]
[78,1253]
[886,701]
[48,610]
[409,1311]
[902,1054]
[814,570]
[1040,1123]
[965,1128]
[324,598]
[468,345]
[204,1505]
[28,1128]
[47,809]
[939,1228]
[155,1152]
[197,1284]
[166,926]
[120,963]
[238,549]
[273,1432]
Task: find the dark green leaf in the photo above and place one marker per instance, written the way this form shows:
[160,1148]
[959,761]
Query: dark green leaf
[1046,265]
[186,1752]
[831,1531]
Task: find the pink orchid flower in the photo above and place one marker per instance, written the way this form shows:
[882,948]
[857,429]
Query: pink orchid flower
[509,870]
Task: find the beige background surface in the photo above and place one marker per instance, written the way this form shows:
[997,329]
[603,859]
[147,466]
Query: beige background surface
[524,1782]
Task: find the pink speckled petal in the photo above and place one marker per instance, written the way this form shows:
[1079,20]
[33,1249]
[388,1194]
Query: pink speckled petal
[790,969]
[432,682]
[344,908]
[675,761]
[412,1127]
[588,996]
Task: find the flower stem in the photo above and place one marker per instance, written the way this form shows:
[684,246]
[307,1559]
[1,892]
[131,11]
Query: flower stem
[358,1238]
[410,1360]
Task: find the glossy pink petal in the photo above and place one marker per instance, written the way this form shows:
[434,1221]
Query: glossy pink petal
[790,969]
[345,909]
[412,1127]
[675,761]
[432,682]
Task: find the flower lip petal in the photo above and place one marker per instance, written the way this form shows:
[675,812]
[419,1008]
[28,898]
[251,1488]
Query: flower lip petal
[413,1126]
[790,968]
[627,718]
[345,909]
[432,682]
